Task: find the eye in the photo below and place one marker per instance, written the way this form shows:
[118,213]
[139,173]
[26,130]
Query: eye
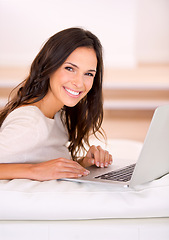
[90,74]
[70,69]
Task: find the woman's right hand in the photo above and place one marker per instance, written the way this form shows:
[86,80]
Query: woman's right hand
[57,169]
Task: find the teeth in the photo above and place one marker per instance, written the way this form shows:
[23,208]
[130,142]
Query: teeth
[72,92]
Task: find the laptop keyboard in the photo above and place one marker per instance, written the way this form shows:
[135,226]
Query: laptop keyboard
[122,175]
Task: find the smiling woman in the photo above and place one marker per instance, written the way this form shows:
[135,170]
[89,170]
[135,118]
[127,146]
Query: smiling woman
[59,102]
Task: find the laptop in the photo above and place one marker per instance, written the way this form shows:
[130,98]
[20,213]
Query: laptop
[153,161]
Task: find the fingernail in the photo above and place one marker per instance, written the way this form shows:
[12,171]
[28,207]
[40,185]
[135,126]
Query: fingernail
[86,172]
[97,164]
[106,164]
[102,165]
[92,162]
[79,175]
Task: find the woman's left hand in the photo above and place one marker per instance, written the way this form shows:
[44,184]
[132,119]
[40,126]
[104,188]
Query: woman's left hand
[96,156]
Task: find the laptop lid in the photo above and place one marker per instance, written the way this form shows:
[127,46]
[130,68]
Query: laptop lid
[153,161]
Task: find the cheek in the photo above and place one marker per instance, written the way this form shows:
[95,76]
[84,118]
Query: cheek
[89,85]
[56,80]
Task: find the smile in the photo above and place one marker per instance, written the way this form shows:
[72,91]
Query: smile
[74,93]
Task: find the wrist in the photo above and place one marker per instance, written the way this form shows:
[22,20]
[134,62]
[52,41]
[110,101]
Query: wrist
[34,171]
[30,171]
[80,161]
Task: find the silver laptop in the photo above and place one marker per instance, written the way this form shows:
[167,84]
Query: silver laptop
[153,161]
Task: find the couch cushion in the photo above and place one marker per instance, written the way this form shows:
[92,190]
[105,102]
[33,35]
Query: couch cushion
[22,199]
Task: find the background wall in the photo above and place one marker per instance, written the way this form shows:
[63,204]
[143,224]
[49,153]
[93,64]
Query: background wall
[130,30]
[152,33]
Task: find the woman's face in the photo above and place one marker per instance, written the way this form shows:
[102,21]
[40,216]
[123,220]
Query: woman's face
[74,78]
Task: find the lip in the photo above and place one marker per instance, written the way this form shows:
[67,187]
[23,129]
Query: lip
[71,94]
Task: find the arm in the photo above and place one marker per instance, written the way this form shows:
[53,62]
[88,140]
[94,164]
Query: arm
[21,132]
[96,156]
[12,170]
[49,170]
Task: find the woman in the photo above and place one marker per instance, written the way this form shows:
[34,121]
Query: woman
[60,101]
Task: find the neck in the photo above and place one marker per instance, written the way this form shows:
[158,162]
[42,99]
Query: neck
[48,106]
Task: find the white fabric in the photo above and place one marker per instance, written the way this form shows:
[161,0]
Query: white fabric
[104,229]
[27,135]
[61,200]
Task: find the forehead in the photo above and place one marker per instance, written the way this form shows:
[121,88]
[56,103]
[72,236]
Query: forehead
[83,57]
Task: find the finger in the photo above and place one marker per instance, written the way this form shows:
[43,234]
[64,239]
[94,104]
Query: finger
[88,161]
[101,157]
[71,169]
[68,175]
[110,159]
[74,170]
[95,155]
[107,159]
[69,163]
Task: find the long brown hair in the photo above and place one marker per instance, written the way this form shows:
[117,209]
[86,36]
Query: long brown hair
[86,117]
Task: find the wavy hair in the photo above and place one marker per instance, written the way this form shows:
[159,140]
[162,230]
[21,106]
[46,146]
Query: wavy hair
[86,117]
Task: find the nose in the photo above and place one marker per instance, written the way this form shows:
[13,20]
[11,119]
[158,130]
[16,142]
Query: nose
[78,81]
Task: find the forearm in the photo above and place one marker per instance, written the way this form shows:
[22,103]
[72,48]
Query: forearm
[16,171]
[49,170]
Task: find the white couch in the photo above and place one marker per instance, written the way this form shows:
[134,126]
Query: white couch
[69,210]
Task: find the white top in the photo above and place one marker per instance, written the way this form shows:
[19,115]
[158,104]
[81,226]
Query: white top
[27,135]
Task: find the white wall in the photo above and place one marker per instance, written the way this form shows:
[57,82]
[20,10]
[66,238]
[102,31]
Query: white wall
[152,43]
[130,30]
[26,24]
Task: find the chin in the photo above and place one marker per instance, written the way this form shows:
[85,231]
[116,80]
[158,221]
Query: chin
[71,105]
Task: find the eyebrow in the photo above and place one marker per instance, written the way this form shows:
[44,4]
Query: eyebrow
[74,65]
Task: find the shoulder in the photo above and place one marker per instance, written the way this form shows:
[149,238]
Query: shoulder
[22,130]
[25,120]
[27,114]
